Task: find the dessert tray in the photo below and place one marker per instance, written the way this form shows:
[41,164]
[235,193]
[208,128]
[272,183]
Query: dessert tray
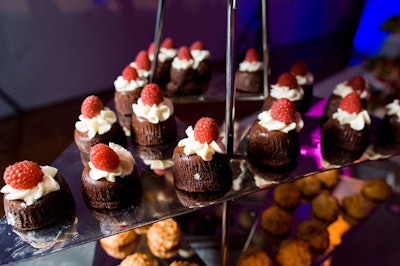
[158,198]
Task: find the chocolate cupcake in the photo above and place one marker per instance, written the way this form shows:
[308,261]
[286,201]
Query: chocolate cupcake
[345,136]
[200,162]
[306,80]
[128,87]
[184,79]
[97,124]
[387,138]
[35,196]
[142,65]
[286,87]
[202,63]
[273,138]
[109,179]
[153,120]
[249,76]
[356,83]
[166,54]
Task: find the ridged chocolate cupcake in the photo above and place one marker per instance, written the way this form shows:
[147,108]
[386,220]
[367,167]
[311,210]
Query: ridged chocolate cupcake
[200,164]
[24,182]
[273,137]
[306,80]
[249,76]
[346,135]
[153,120]
[109,180]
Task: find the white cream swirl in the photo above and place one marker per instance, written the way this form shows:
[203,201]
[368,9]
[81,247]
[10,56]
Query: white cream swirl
[100,124]
[164,54]
[279,92]
[198,56]
[205,150]
[393,108]
[357,121]
[342,89]
[182,63]
[30,196]
[266,121]
[143,73]
[125,167]
[308,79]
[122,84]
[159,164]
[250,66]
[155,113]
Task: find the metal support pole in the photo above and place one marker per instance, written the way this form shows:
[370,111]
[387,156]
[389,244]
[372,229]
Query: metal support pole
[264,7]
[157,37]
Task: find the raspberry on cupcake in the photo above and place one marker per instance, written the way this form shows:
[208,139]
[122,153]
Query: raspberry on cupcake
[273,138]
[305,79]
[153,120]
[249,77]
[34,196]
[200,162]
[142,64]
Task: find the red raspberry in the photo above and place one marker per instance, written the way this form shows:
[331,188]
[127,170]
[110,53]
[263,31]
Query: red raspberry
[357,83]
[252,55]
[103,157]
[283,110]
[142,60]
[23,175]
[299,68]
[150,50]
[129,73]
[351,103]
[197,45]
[151,94]
[91,106]
[168,43]
[206,130]
[184,53]
[288,79]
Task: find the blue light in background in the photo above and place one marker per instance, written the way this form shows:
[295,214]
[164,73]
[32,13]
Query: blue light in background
[369,37]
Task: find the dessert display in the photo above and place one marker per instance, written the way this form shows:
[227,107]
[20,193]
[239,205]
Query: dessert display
[305,79]
[153,120]
[34,196]
[97,124]
[294,252]
[249,77]
[387,137]
[139,259]
[200,162]
[357,84]
[184,78]
[286,87]
[164,238]
[273,138]
[119,245]
[254,256]
[128,87]
[109,180]
[166,54]
[346,134]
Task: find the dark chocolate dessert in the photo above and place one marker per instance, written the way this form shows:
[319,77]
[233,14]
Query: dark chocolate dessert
[305,79]
[249,76]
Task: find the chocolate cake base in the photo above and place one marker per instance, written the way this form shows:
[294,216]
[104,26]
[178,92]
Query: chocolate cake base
[193,174]
[146,134]
[249,82]
[272,148]
[124,100]
[387,138]
[115,135]
[103,194]
[198,199]
[185,82]
[43,212]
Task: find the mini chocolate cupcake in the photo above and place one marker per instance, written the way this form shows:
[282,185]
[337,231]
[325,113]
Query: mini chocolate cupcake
[249,76]
[356,83]
[286,87]
[202,64]
[200,162]
[387,138]
[142,65]
[109,179]
[97,124]
[273,138]
[345,136]
[128,87]
[153,120]
[35,196]
[305,79]
[184,78]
